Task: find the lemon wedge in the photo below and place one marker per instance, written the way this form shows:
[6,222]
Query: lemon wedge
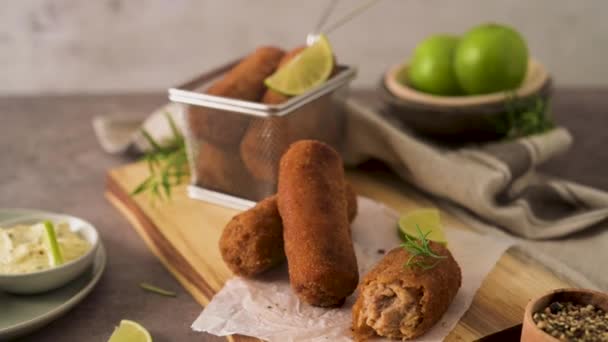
[129,331]
[427,220]
[309,69]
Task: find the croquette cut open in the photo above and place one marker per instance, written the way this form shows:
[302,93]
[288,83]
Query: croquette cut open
[401,302]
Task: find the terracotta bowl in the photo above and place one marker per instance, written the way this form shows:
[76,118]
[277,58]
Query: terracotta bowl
[459,118]
[530,333]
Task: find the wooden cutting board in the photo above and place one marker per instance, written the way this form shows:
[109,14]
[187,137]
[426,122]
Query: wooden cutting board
[184,233]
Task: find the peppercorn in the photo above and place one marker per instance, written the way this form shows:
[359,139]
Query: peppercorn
[567,321]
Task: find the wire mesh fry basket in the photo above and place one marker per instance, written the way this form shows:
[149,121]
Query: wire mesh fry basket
[234,146]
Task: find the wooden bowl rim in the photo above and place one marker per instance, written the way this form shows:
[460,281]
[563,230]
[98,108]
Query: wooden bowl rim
[536,77]
[529,322]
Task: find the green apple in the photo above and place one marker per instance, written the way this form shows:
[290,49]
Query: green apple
[490,58]
[430,69]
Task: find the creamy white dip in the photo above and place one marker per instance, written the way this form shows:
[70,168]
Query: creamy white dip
[23,249]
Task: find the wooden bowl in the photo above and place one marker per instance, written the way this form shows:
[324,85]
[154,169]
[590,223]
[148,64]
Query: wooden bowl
[459,118]
[530,333]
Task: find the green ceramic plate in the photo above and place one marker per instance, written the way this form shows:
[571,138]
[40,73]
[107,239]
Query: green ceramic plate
[22,314]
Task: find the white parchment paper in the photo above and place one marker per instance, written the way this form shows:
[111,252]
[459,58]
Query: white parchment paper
[268,309]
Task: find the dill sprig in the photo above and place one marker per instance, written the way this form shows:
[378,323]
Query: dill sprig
[419,249]
[167,164]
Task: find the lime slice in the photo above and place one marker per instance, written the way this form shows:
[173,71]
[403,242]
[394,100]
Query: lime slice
[427,220]
[310,68]
[55,256]
[129,331]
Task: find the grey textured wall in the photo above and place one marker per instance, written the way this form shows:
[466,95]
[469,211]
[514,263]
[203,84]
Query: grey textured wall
[133,45]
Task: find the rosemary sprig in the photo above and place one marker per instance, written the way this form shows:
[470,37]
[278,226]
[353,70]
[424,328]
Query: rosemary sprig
[419,249]
[524,117]
[167,164]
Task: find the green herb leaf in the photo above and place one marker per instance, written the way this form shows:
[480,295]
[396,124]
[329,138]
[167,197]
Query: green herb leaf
[151,141]
[157,290]
[420,250]
[166,184]
[523,117]
[141,187]
[176,132]
[167,164]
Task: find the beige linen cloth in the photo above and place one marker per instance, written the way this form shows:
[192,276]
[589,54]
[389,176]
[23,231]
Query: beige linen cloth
[496,181]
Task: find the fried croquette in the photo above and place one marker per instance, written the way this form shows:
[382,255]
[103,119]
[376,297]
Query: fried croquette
[401,302]
[243,82]
[221,170]
[252,242]
[312,204]
[317,120]
[263,145]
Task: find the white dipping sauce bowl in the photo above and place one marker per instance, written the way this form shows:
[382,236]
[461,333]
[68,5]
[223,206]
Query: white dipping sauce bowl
[54,277]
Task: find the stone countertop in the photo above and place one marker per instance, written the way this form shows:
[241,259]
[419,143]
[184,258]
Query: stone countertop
[52,161]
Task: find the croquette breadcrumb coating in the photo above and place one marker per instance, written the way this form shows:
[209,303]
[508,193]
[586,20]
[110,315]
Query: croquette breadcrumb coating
[263,145]
[318,245]
[252,242]
[222,170]
[243,82]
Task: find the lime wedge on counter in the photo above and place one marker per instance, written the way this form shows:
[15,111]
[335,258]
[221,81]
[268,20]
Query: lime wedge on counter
[129,331]
[55,256]
[310,68]
[427,219]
